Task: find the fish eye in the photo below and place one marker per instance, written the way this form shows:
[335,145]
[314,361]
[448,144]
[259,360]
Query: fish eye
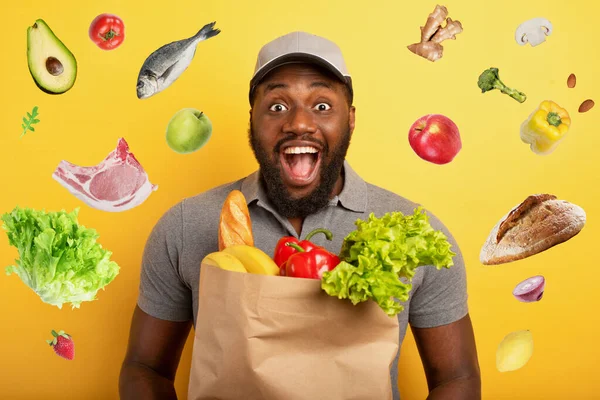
[277,107]
[323,106]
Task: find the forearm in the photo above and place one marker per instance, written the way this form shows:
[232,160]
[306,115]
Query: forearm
[140,382]
[468,388]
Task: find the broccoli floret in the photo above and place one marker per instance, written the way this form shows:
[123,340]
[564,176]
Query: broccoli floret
[487,79]
[490,80]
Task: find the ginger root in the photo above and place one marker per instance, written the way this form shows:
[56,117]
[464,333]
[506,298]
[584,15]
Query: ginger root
[434,20]
[450,31]
[430,50]
[433,34]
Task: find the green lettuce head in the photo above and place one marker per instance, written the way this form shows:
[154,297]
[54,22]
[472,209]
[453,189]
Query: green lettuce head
[59,259]
[381,252]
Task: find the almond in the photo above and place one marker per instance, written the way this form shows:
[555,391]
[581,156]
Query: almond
[571,81]
[586,105]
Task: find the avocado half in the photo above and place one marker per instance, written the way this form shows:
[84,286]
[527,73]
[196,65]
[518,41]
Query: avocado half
[51,64]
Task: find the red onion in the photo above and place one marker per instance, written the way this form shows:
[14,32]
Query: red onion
[531,289]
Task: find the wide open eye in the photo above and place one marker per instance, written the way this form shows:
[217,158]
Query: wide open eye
[277,107]
[323,106]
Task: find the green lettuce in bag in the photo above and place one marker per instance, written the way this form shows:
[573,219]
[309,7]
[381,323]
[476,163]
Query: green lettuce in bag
[59,259]
[381,251]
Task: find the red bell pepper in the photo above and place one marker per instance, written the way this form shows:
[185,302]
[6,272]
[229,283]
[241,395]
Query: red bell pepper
[309,264]
[283,252]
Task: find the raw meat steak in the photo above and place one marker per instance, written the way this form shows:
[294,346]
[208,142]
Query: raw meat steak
[118,183]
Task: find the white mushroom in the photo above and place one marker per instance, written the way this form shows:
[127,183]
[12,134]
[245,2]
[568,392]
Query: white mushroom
[533,31]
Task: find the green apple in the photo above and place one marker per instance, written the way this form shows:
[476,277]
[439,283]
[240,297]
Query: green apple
[188,130]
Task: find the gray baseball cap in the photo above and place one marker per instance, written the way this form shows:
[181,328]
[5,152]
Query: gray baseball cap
[297,47]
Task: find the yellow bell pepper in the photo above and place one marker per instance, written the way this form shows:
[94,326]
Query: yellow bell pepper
[545,127]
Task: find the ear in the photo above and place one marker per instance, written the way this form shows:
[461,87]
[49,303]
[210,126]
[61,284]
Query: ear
[351,118]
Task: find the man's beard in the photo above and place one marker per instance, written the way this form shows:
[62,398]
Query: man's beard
[270,174]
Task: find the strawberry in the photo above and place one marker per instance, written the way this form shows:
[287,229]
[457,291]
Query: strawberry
[62,344]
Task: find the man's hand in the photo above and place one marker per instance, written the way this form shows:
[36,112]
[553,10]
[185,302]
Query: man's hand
[450,361]
[153,354]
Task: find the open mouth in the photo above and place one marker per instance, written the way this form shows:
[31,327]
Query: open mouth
[300,164]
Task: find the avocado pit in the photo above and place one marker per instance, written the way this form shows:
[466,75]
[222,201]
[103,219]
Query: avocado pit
[53,66]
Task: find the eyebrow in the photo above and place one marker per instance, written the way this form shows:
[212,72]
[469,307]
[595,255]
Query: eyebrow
[272,86]
[323,84]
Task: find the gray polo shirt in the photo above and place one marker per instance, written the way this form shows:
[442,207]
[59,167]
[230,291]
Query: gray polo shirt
[188,231]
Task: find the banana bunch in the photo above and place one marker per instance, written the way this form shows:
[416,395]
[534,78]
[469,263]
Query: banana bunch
[242,258]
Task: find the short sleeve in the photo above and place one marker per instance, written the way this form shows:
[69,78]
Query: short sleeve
[162,291]
[441,298]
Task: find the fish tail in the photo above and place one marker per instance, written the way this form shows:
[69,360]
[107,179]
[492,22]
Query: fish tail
[207,31]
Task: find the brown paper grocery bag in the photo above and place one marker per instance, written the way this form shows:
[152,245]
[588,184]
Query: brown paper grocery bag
[263,337]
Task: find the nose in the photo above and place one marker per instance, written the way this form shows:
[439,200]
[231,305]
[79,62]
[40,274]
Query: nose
[300,121]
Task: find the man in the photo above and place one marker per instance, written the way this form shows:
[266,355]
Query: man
[301,122]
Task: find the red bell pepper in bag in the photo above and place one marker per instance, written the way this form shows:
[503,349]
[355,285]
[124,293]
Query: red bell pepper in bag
[283,252]
[309,264]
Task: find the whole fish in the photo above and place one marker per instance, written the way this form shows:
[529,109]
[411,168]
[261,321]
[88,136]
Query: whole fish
[166,64]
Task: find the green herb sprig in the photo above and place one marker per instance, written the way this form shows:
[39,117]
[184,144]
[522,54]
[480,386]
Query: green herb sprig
[30,120]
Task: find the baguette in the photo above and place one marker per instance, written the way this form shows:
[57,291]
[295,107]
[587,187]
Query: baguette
[235,225]
[540,222]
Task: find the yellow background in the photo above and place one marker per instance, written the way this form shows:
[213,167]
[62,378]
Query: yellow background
[493,172]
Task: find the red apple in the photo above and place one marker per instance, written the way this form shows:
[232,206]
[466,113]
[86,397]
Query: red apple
[435,138]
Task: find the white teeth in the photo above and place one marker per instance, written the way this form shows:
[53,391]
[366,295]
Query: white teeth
[300,150]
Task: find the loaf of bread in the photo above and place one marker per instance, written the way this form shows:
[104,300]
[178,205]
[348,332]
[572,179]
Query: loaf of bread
[540,222]
[235,226]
